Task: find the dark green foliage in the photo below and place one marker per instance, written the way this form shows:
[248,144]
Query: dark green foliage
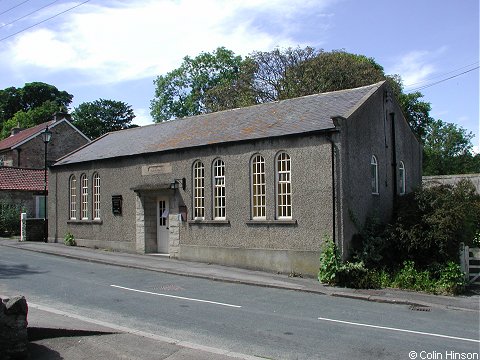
[431,223]
[31,105]
[10,217]
[102,116]
[448,150]
[329,262]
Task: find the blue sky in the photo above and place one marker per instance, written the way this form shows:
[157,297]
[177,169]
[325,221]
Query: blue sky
[114,49]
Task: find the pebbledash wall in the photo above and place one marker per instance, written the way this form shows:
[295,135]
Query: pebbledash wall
[274,244]
[331,185]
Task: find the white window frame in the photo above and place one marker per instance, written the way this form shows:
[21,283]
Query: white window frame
[72,183]
[283,179]
[258,188]
[96,196]
[374,175]
[84,197]
[402,175]
[198,190]
[219,198]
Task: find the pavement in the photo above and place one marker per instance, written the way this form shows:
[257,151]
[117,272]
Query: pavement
[57,335]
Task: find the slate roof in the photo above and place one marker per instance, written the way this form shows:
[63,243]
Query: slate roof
[25,135]
[287,117]
[12,141]
[20,179]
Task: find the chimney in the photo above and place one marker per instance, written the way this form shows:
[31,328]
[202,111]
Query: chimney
[16,130]
[59,115]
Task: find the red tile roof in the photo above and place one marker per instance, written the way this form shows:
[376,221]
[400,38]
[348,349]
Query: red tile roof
[12,178]
[11,141]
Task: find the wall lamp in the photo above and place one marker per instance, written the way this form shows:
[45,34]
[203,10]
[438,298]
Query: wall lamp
[176,182]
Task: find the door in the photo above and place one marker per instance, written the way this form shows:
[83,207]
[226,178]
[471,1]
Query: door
[162,225]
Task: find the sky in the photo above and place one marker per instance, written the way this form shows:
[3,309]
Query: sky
[115,49]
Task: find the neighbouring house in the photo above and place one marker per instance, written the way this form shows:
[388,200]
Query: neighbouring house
[24,148]
[22,162]
[257,187]
[24,187]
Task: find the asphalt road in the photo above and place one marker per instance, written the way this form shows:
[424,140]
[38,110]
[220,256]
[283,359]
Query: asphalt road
[265,322]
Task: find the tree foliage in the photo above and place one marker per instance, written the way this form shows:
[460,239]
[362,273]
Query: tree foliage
[102,116]
[33,95]
[448,150]
[182,91]
[431,223]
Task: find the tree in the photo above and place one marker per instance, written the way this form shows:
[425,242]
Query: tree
[448,150]
[222,80]
[102,116]
[30,118]
[31,105]
[181,92]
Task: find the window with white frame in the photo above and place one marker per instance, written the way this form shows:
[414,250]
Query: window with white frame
[73,197]
[96,196]
[84,197]
[374,174]
[219,209]
[284,186]
[258,188]
[198,190]
[402,178]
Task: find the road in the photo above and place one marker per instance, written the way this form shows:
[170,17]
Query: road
[265,322]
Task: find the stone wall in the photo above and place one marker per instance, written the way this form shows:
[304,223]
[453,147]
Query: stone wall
[452,180]
[13,328]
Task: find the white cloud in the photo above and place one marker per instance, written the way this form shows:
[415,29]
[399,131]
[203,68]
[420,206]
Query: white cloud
[415,67]
[132,40]
[142,117]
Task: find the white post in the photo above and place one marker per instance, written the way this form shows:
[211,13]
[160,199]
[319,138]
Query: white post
[23,226]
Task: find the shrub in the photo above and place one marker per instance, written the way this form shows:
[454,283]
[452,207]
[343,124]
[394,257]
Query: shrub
[329,262]
[10,217]
[431,223]
[69,239]
[452,279]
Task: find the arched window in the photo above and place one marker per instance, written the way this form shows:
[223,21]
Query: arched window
[402,178]
[284,186]
[84,197]
[258,187]
[96,196]
[219,209]
[198,190]
[374,174]
[73,197]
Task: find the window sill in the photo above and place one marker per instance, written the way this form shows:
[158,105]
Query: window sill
[208,222]
[85,222]
[271,222]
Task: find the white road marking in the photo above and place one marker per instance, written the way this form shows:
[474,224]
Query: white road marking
[176,297]
[401,330]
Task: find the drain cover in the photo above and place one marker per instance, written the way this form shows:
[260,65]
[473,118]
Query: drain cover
[419,308]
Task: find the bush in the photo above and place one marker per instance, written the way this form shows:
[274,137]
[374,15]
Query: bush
[329,262]
[452,279]
[431,223]
[69,239]
[10,217]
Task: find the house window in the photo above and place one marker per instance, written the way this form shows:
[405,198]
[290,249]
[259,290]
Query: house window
[258,188]
[198,190]
[219,190]
[96,196]
[402,178]
[284,186]
[73,197]
[374,174]
[84,197]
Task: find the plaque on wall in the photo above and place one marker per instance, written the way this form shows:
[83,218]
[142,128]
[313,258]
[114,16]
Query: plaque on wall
[117,204]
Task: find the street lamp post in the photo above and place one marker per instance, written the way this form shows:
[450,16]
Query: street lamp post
[46,136]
